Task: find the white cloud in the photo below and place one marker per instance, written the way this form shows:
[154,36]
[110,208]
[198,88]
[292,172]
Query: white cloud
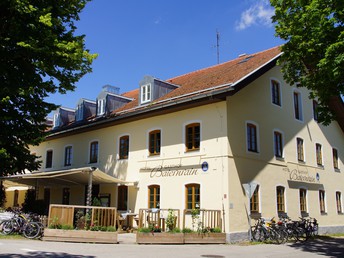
[258,14]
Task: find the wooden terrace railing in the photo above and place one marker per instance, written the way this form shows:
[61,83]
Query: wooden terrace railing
[67,215]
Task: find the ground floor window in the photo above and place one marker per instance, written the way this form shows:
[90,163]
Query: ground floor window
[339,202]
[154,196]
[254,201]
[303,200]
[322,201]
[122,198]
[192,196]
[280,199]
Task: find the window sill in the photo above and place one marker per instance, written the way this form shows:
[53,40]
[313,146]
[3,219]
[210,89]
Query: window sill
[340,213]
[255,215]
[323,213]
[301,161]
[337,170]
[320,166]
[279,158]
[282,215]
[304,214]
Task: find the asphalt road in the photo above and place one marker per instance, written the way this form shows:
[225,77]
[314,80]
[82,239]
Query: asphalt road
[323,247]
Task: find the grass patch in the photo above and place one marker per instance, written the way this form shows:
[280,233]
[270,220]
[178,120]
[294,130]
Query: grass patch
[12,236]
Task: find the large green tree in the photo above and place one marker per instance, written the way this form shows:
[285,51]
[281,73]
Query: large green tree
[40,54]
[314,49]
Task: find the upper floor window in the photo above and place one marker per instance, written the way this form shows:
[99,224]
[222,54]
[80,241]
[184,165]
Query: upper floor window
[94,152]
[322,201]
[251,135]
[68,156]
[339,202]
[335,158]
[298,106]
[153,196]
[280,199]
[124,147]
[303,200]
[278,144]
[146,93]
[275,93]
[300,151]
[79,112]
[192,196]
[193,137]
[49,159]
[318,149]
[56,119]
[315,110]
[254,201]
[154,142]
[101,106]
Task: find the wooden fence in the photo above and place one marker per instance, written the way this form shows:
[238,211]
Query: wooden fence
[74,215]
[156,218]
[202,219]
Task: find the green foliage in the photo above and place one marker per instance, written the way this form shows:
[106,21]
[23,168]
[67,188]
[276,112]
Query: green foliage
[145,230]
[54,224]
[40,54]
[67,227]
[171,220]
[314,50]
[215,230]
[187,230]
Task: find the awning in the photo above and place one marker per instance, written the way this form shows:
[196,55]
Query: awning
[68,177]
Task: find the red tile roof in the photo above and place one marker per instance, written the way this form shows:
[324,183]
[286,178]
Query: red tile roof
[207,78]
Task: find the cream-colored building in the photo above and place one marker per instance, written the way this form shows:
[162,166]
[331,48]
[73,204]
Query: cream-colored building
[208,139]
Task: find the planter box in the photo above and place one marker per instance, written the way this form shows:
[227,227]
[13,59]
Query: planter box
[206,238]
[159,238]
[82,236]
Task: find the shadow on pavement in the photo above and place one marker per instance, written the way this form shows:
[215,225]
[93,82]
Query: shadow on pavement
[44,254]
[323,245]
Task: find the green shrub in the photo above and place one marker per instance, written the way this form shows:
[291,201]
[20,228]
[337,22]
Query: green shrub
[187,230]
[175,230]
[215,230]
[111,229]
[67,227]
[145,230]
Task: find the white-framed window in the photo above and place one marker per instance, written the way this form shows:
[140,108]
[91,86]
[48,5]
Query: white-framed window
[252,137]
[335,158]
[56,119]
[79,112]
[49,159]
[278,144]
[297,105]
[68,156]
[319,154]
[280,199]
[322,201]
[275,92]
[303,200]
[339,203]
[315,110]
[300,149]
[100,107]
[146,93]
[93,157]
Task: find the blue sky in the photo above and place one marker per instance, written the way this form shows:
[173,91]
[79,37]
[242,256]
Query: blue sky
[164,39]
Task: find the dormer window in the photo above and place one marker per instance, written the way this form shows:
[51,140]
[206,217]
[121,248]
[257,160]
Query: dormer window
[80,112]
[56,121]
[101,107]
[146,93]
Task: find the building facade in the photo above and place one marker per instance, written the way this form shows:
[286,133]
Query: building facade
[233,137]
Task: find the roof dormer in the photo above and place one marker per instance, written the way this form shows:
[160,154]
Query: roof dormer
[85,109]
[109,100]
[63,116]
[152,89]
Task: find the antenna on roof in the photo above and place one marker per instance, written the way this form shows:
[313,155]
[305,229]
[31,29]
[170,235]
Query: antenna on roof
[218,45]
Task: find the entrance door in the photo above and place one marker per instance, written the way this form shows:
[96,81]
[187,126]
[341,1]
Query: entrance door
[122,198]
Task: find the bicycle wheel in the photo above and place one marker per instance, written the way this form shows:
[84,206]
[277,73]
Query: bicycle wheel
[255,234]
[275,236]
[301,234]
[32,230]
[6,227]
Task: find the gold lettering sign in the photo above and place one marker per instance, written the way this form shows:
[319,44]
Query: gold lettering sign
[171,171]
[299,175]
